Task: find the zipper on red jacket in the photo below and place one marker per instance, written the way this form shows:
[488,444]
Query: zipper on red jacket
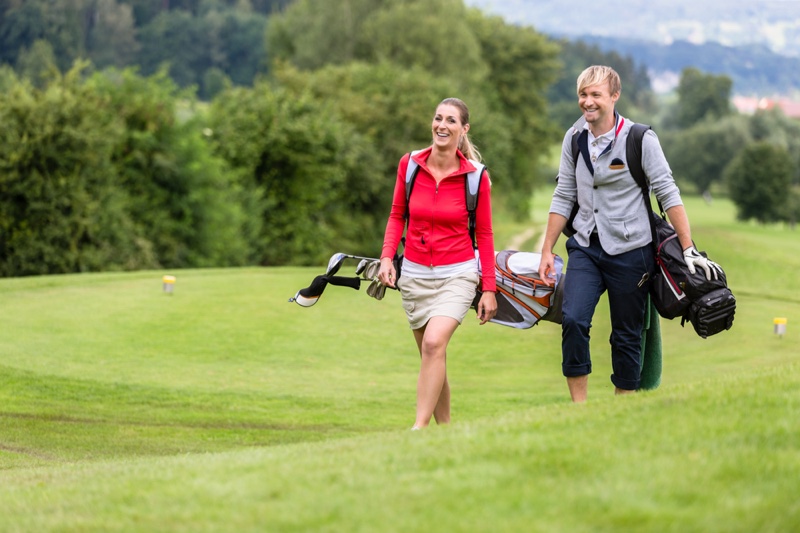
[435,209]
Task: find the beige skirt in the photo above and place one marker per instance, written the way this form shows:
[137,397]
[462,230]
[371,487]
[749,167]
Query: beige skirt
[427,298]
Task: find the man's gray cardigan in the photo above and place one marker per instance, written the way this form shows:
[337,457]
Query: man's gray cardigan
[611,201]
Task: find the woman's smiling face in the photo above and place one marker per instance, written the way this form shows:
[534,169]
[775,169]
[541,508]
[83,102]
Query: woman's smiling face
[447,127]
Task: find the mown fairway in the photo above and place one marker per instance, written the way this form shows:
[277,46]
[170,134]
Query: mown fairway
[225,408]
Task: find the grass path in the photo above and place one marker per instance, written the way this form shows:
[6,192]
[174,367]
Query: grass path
[519,240]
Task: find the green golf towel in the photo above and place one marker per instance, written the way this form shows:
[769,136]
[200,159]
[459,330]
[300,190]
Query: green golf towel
[651,349]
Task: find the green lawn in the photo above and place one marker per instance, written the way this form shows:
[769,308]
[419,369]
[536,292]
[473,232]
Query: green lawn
[223,407]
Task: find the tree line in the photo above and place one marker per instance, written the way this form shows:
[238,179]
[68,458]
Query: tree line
[113,167]
[208,44]
[754,159]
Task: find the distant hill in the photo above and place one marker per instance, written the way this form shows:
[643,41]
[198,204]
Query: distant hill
[756,43]
[772,23]
[755,70]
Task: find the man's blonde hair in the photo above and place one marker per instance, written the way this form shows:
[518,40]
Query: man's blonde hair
[598,74]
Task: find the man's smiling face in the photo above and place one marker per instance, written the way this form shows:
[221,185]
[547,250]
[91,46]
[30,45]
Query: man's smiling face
[597,104]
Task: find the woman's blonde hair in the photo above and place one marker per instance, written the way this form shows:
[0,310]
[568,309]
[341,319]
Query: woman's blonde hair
[597,74]
[464,144]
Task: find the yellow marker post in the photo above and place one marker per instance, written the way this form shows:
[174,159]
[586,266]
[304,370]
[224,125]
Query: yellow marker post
[168,283]
[780,326]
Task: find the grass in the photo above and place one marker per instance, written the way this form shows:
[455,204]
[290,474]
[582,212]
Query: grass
[225,408]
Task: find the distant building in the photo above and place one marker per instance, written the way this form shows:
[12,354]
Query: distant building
[749,105]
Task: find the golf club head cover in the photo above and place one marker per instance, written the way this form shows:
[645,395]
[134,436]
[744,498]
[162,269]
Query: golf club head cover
[309,296]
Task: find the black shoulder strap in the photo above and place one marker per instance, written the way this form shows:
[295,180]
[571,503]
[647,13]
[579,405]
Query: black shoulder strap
[580,146]
[575,149]
[583,147]
[633,152]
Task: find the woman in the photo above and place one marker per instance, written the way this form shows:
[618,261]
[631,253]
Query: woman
[439,270]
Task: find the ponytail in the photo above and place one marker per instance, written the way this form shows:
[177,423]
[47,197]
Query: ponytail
[468,149]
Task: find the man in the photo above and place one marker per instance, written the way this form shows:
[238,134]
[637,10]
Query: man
[611,249]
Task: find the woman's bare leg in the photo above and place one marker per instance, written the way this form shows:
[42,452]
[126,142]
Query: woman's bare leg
[433,390]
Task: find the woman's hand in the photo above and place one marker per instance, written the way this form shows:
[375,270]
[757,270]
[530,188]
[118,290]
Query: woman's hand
[387,274]
[487,307]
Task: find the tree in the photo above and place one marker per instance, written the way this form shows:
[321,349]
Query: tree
[702,96]
[8,78]
[759,180]
[180,197]
[236,44]
[146,10]
[100,30]
[109,33]
[301,34]
[38,64]
[500,70]
[390,106]
[214,82]
[60,211]
[100,173]
[20,26]
[232,42]
[700,154]
[301,169]
[791,212]
[64,30]
[521,64]
[773,126]
[409,34]
[172,38]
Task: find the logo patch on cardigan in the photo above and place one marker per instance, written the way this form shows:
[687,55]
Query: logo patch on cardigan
[616,164]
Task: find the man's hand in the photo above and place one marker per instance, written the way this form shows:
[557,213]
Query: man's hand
[694,259]
[547,269]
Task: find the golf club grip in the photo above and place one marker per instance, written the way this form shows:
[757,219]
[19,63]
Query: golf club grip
[342,281]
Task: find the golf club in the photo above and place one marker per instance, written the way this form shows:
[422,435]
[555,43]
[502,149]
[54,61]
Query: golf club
[337,259]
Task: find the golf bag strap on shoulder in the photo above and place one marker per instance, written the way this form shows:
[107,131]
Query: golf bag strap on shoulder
[633,154]
[471,187]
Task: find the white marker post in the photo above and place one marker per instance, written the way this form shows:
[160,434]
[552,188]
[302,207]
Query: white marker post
[780,326]
[168,283]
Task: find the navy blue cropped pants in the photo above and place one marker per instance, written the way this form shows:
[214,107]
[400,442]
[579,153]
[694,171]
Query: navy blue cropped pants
[590,273]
